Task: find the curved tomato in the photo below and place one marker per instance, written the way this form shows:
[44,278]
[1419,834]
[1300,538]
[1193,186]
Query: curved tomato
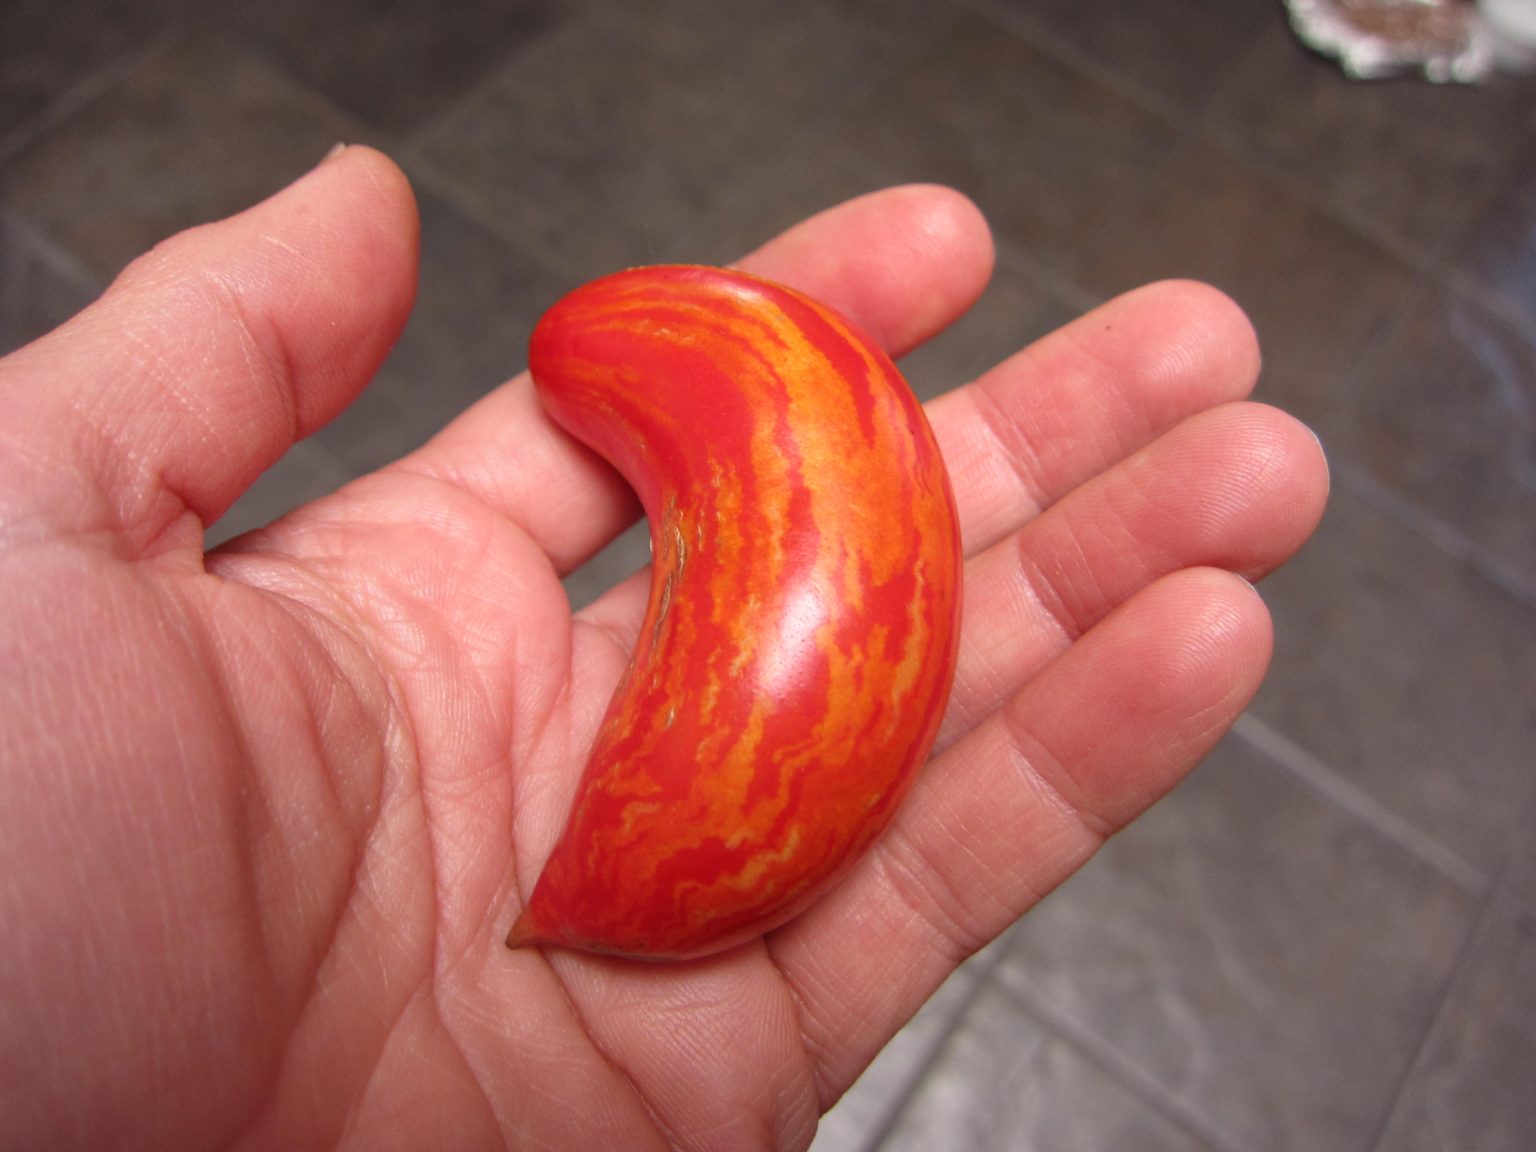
[799,644]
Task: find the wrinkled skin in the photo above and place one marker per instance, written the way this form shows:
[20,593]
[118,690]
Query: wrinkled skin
[269,811]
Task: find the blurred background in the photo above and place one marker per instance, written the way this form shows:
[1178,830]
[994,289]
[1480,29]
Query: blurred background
[1327,939]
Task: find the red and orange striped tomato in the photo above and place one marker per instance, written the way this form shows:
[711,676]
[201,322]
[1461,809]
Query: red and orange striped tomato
[799,644]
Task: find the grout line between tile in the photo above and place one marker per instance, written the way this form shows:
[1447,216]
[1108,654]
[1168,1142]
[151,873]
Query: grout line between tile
[1507,308]
[1064,288]
[600,19]
[1197,126]
[820,128]
[1433,257]
[421,170]
[91,87]
[1352,475]
[1010,20]
[414,148]
[1444,536]
[1517,903]
[56,257]
[1398,247]
[359,130]
[1452,978]
[889,1123]
[1104,1055]
[1015,257]
[1330,784]
[1374,351]
[1428,267]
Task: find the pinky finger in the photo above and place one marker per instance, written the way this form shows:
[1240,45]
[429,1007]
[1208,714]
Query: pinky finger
[1011,810]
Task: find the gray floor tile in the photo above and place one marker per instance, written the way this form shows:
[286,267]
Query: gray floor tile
[772,193]
[476,306]
[1264,958]
[1407,673]
[1178,51]
[607,141]
[1045,152]
[1447,417]
[596,153]
[391,65]
[1520,877]
[1412,159]
[857,1121]
[791,58]
[1320,296]
[1042,148]
[390,419]
[48,50]
[1472,1087]
[195,133]
[1014,311]
[307,472]
[1499,250]
[39,289]
[1004,1082]
[625,555]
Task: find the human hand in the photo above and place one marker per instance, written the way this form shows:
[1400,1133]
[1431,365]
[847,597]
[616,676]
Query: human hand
[269,810]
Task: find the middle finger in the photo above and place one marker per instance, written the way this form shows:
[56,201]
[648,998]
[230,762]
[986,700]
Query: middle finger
[1237,487]
[1088,395]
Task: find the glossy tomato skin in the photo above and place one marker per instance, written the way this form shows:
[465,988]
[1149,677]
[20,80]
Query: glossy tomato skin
[799,643]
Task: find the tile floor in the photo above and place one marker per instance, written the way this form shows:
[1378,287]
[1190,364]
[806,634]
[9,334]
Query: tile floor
[1327,939]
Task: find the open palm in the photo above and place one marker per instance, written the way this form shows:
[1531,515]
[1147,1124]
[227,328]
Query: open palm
[269,811]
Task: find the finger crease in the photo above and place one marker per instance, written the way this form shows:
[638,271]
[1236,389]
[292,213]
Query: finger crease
[1047,590]
[1011,450]
[912,879]
[1054,777]
[271,357]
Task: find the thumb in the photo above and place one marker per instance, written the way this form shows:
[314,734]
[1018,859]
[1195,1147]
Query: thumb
[207,358]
